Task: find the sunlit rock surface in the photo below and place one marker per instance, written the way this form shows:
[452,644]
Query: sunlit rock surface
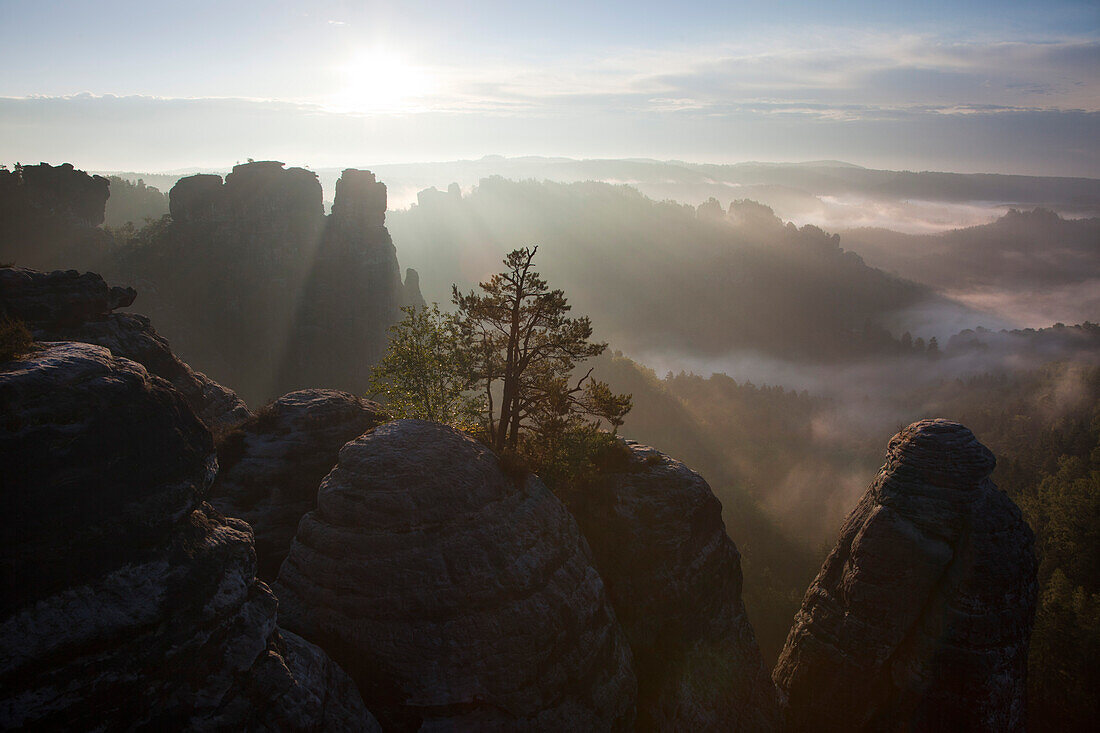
[128,602]
[921,615]
[271,465]
[455,596]
[71,306]
[674,579]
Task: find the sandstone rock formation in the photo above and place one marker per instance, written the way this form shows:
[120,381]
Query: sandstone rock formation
[351,295]
[271,465]
[455,596]
[413,296]
[49,217]
[674,579]
[921,615]
[61,190]
[254,282]
[70,306]
[127,602]
[225,279]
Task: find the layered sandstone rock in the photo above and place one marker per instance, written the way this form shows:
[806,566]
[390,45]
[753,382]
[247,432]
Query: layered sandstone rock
[921,615]
[453,594]
[127,602]
[674,579]
[70,306]
[271,465]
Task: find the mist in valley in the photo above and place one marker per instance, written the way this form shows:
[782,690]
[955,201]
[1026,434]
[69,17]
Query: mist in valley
[795,233]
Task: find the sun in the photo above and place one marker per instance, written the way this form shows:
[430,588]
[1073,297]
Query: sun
[378,80]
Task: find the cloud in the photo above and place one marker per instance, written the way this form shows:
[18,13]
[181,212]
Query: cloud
[157,133]
[861,71]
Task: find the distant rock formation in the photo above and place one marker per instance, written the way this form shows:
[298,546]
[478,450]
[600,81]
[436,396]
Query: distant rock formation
[227,278]
[921,615]
[49,217]
[456,597]
[674,579]
[127,602]
[61,190]
[70,306]
[351,294]
[271,465]
[413,296]
[255,283]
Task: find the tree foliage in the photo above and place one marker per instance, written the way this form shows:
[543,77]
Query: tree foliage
[427,370]
[525,348]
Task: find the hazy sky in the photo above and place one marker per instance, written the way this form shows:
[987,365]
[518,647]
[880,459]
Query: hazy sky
[1002,86]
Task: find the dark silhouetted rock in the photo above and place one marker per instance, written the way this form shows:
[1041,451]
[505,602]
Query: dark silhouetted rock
[252,281]
[271,465]
[674,579]
[455,596]
[128,602]
[196,198]
[360,201]
[64,191]
[70,306]
[921,615]
[50,217]
[59,298]
[351,296]
[413,296]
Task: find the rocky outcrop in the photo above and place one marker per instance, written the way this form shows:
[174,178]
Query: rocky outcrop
[413,296]
[49,217]
[259,195]
[674,579]
[197,198]
[269,295]
[61,190]
[351,295]
[360,201]
[128,602]
[271,465]
[456,597]
[70,306]
[61,299]
[921,615]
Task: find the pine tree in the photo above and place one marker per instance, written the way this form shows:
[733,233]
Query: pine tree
[525,342]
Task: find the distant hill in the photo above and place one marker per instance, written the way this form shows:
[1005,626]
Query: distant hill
[660,275]
[1036,264]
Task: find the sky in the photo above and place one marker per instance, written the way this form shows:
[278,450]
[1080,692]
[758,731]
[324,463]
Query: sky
[1007,86]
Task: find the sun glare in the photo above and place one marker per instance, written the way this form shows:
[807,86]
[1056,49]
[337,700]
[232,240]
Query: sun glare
[379,81]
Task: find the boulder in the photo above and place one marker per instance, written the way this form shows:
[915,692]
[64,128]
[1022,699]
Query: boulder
[70,306]
[921,615]
[127,601]
[674,578]
[271,465]
[456,596]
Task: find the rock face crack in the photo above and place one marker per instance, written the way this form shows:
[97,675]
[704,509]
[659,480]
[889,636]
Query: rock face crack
[921,615]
